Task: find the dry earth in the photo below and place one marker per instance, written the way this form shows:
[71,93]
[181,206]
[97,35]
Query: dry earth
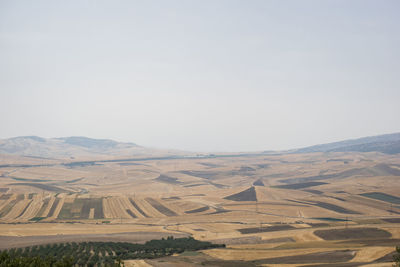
[262,206]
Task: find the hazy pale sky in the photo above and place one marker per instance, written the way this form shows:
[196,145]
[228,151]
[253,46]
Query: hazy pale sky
[201,75]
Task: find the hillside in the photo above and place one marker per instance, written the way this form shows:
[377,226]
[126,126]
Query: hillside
[77,147]
[387,143]
[278,208]
[74,147]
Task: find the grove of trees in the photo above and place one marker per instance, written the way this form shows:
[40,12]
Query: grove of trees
[92,254]
[396,257]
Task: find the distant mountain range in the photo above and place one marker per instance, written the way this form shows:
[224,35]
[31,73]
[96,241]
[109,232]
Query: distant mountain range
[83,147]
[74,147]
[387,143]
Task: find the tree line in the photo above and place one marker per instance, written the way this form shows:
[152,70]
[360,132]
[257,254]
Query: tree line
[92,254]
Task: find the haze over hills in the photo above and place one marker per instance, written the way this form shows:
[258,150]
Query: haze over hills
[74,147]
[200,133]
[258,204]
[387,143]
[84,147]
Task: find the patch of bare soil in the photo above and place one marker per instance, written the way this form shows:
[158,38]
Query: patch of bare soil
[387,258]
[198,210]
[342,264]
[228,263]
[391,220]
[160,207]
[246,195]
[272,228]
[352,233]
[300,185]
[335,208]
[375,242]
[319,257]
[251,240]
[197,260]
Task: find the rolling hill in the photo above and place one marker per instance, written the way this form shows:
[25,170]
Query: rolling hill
[278,207]
[77,147]
[387,143]
[74,147]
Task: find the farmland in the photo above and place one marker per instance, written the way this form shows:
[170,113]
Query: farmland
[108,253]
[268,209]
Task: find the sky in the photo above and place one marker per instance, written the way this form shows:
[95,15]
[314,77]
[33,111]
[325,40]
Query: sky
[209,75]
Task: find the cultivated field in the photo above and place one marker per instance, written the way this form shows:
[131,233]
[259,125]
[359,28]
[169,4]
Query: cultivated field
[293,209]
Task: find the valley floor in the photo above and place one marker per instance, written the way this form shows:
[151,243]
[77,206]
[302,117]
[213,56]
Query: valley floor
[321,209]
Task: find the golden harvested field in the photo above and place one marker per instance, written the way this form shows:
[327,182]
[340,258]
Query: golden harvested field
[268,209]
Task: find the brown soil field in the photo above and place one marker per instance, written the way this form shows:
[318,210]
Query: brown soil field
[160,207]
[266,229]
[336,256]
[136,206]
[352,233]
[291,208]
